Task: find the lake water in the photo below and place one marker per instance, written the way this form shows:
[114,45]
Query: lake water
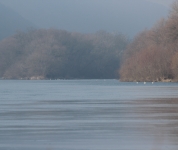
[88,115]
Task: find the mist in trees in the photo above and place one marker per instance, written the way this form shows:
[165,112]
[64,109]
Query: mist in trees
[153,54]
[59,54]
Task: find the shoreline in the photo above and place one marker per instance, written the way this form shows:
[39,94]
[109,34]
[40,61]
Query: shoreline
[119,80]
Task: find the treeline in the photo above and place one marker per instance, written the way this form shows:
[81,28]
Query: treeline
[153,54]
[58,54]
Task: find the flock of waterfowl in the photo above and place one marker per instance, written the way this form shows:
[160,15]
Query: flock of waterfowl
[145,82]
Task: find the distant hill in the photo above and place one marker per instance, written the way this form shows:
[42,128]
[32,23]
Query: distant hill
[11,22]
[59,54]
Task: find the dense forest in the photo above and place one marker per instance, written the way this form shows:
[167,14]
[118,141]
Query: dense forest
[153,54]
[59,54]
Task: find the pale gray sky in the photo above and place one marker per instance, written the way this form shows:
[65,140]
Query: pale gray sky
[166,3]
[128,16]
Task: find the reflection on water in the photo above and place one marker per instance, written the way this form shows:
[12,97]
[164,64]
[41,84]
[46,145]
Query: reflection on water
[161,120]
[88,114]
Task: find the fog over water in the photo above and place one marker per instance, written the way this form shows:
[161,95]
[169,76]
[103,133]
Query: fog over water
[88,114]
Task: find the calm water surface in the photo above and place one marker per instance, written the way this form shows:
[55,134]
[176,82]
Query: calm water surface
[88,115]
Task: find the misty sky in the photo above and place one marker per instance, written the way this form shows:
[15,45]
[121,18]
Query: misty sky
[166,3]
[91,15]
